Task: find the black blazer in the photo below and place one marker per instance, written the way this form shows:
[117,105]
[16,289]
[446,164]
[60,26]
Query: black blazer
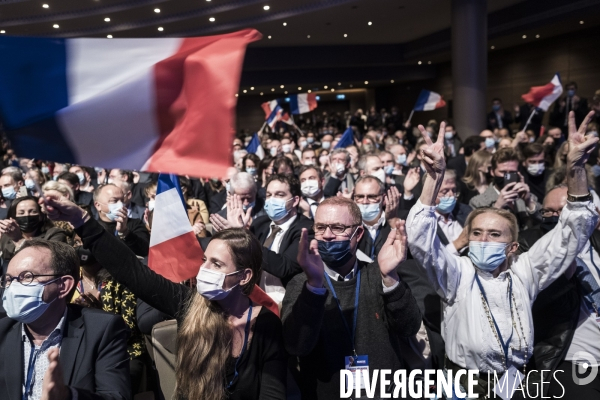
[283,265]
[492,120]
[93,355]
[366,242]
[460,213]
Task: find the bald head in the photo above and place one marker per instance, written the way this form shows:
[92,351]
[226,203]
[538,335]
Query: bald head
[556,199]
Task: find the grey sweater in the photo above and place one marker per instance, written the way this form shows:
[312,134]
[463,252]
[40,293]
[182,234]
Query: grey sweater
[314,331]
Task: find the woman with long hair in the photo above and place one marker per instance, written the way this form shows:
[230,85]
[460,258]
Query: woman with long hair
[476,176]
[228,346]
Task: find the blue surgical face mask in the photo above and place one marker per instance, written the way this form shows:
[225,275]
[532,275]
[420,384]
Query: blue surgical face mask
[487,256]
[245,208]
[446,205]
[496,107]
[273,151]
[9,193]
[275,208]
[336,253]
[449,135]
[571,92]
[112,210]
[310,140]
[490,142]
[81,177]
[389,169]
[401,159]
[369,211]
[251,171]
[29,184]
[24,303]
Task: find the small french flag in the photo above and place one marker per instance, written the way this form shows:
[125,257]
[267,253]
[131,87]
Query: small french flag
[255,147]
[428,101]
[274,113]
[543,96]
[174,250]
[303,103]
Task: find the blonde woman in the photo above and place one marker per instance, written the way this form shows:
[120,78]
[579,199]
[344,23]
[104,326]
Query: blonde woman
[228,346]
[476,174]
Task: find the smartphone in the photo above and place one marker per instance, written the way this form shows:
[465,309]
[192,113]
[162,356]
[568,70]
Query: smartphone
[511,177]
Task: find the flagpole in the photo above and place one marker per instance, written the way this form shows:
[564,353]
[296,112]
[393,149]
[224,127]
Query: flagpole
[261,129]
[529,119]
[410,116]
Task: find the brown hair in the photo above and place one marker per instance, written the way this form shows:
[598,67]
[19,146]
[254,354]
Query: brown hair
[205,337]
[504,155]
[478,159]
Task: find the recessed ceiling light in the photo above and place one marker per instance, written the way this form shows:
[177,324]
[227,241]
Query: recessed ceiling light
[266,8]
[245,91]
[428,62]
[109,36]
[2,31]
[392,81]
[339,83]
[325,87]
[370,23]
[285,24]
[261,93]
[308,36]
[345,35]
[309,90]
[537,36]
[493,47]
[236,95]
[332,89]
[272,89]
[212,19]
[299,87]
[157,10]
[106,19]
[366,82]
[55,26]
[251,87]
[286,92]
[281,86]
[524,36]
[351,85]
[160,28]
[269,37]
[419,63]
[45,6]
[580,22]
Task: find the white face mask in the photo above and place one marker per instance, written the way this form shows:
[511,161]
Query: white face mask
[210,284]
[536,169]
[379,174]
[151,204]
[340,168]
[310,188]
[286,148]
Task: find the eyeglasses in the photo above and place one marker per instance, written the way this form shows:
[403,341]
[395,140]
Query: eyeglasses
[549,213]
[25,278]
[372,198]
[336,229]
[445,193]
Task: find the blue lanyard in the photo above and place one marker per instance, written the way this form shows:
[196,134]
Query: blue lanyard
[30,368]
[506,344]
[352,332]
[246,333]
[374,240]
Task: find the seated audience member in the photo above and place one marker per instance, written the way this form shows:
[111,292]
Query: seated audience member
[493,279]
[250,164]
[378,211]
[10,185]
[308,157]
[85,178]
[401,159]
[453,142]
[83,199]
[476,178]
[566,309]
[242,184]
[534,169]
[471,145]
[275,149]
[33,177]
[219,198]
[490,140]
[112,216]
[134,210]
[283,166]
[227,345]
[41,324]
[137,190]
[339,180]
[370,164]
[25,221]
[514,196]
[312,183]
[319,304]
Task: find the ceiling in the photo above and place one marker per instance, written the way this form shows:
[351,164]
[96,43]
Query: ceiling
[305,42]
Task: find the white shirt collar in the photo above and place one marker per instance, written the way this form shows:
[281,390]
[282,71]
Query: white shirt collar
[380,222]
[335,276]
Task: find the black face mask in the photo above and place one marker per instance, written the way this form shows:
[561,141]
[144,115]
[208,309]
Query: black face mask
[499,182]
[548,223]
[29,223]
[85,256]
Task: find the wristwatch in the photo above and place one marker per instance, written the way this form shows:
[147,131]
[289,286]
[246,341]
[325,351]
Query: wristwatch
[581,197]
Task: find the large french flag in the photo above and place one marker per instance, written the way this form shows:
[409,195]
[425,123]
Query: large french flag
[163,105]
[255,147]
[174,250]
[543,96]
[428,101]
[303,103]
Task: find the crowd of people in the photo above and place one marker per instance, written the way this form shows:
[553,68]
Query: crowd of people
[414,246]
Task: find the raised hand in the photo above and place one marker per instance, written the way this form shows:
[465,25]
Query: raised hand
[59,208]
[579,147]
[10,228]
[392,201]
[199,227]
[54,387]
[392,253]
[121,221]
[507,196]
[310,260]
[219,223]
[411,180]
[432,154]
[236,216]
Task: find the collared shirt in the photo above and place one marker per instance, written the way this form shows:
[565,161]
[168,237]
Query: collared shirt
[372,229]
[499,120]
[466,328]
[40,358]
[269,283]
[313,204]
[451,228]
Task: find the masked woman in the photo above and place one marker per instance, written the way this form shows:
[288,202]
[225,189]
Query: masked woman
[25,220]
[487,296]
[228,346]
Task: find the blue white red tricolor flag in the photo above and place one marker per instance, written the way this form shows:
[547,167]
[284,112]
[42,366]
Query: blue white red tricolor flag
[174,250]
[163,105]
[543,96]
[274,113]
[302,103]
[428,101]
[346,140]
[255,147]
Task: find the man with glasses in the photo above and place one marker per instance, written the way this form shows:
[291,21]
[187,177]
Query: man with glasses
[343,306]
[41,323]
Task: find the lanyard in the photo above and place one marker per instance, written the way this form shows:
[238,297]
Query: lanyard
[30,368]
[246,333]
[374,240]
[506,344]
[352,332]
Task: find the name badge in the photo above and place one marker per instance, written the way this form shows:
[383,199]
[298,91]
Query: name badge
[510,381]
[357,364]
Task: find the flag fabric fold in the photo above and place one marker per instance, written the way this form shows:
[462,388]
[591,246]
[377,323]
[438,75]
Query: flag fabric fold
[174,249]
[428,101]
[542,97]
[255,147]
[302,103]
[143,104]
[346,140]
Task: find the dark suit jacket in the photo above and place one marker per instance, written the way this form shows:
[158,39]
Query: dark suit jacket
[93,355]
[459,165]
[283,264]
[536,122]
[137,211]
[86,201]
[460,213]
[492,120]
[217,201]
[366,242]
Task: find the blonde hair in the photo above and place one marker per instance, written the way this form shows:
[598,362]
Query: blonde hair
[507,215]
[59,187]
[478,159]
